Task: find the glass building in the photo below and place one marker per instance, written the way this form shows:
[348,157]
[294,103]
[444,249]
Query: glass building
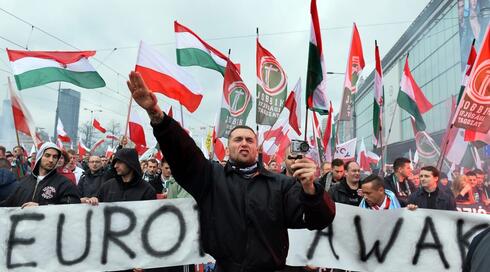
[433,44]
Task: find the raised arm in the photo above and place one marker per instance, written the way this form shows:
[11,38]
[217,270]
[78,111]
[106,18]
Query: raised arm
[189,166]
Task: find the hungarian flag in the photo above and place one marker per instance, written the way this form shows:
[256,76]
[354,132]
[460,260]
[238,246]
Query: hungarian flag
[22,117]
[164,77]
[82,149]
[292,104]
[412,99]
[355,64]
[378,98]
[235,104]
[316,77]
[272,84]
[366,158]
[194,51]
[327,139]
[36,68]
[97,125]
[473,111]
[60,130]
[136,129]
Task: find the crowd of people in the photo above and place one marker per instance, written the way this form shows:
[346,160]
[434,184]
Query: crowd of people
[245,205]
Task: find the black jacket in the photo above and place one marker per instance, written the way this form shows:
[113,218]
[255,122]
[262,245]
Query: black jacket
[155,181]
[90,184]
[406,188]
[137,189]
[53,189]
[8,183]
[341,193]
[243,222]
[444,200]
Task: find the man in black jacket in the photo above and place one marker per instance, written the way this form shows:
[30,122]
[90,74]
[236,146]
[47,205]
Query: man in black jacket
[348,191]
[334,176]
[44,185]
[398,182]
[429,196]
[244,210]
[92,179]
[127,185]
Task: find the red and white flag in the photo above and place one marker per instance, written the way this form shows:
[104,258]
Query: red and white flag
[167,78]
[355,64]
[218,147]
[346,151]
[293,103]
[136,128]
[22,117]
[473,112]
[109,152]
[366,158]
[378,99]
[62,135]
[82,149]
[276,140]
[97,125]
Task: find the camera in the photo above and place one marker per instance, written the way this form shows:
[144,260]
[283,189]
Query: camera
[298,149]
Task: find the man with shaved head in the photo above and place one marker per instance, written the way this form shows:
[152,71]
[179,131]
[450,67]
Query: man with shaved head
[91,179]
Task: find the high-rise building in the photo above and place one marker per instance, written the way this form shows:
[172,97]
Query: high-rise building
[7,131]
[68,110]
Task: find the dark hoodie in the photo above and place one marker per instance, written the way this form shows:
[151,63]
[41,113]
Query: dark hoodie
[116,190]
[53,189]
[8,183]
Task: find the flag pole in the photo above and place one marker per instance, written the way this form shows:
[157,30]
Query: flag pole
[181,115]
[13,114]
[446,143]
[260,156]
[127,117]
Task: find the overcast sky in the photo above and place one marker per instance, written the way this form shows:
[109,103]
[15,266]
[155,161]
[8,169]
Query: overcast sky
[107,25]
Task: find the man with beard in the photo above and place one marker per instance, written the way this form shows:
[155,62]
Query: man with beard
[245,210]
[44,185]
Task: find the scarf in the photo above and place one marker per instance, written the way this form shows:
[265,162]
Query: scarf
[245,172]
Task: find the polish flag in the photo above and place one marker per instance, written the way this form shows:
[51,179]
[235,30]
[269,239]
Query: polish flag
[97,125]
[136,129]
[219,147]
[293,103]
[276,140]
[62,135]
[82,149]
[167,78]
[109,152]
[366,158]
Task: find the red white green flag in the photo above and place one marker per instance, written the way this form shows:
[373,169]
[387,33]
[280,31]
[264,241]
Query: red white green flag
[316,77]
[235,104]
[412,99]
[355,64]
[36,68]
[378,99]
[194,51]
[272,85]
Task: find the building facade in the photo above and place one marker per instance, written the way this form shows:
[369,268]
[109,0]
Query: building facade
[68,110]
[432,43]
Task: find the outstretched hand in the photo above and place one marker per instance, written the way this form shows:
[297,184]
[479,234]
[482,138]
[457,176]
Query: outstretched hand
[143,96]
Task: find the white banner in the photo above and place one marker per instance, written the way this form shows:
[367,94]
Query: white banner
[346,151]
[162,233]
